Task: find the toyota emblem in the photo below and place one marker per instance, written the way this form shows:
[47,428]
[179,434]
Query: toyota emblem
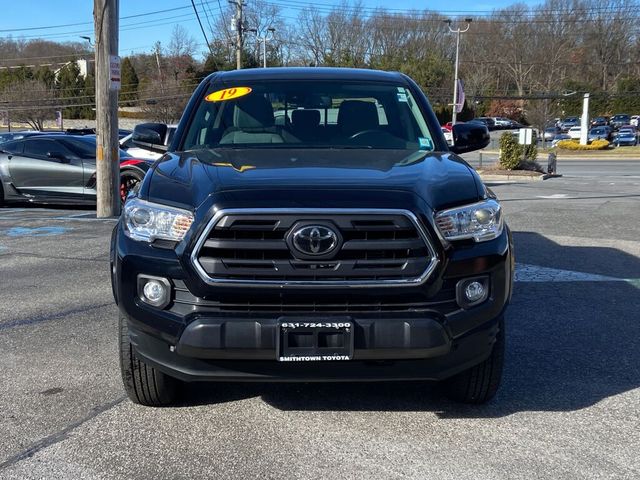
[314,240]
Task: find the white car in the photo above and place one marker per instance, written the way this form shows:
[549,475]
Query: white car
[502,122]
[635,120]
[137,151]
[574,132]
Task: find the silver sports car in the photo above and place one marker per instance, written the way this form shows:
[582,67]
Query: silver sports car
[59,169]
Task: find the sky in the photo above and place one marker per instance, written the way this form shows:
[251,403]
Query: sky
[24,19]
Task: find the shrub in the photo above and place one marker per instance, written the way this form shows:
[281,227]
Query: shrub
[514,156]
[575,145]
[510,152]
[530,151]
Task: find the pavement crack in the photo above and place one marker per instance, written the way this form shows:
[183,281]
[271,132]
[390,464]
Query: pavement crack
[53,257]
[53,316]
[58,436]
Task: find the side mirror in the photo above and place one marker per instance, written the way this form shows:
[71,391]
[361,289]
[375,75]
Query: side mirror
[468,137]
[57,156]
[151,136]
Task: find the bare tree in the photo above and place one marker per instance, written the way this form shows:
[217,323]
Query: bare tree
[312,36]
[179,54]
[181,43]
[165,102]
[26,106]
[608,36]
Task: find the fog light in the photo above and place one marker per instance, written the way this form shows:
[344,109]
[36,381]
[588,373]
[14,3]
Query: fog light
[155,291]
[474,291]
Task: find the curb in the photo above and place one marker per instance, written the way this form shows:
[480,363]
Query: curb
[582,155]
[517,178]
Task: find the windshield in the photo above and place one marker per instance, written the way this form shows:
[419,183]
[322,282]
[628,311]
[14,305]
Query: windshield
[308,114]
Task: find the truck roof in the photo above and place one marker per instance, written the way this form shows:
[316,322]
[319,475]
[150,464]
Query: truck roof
[309,73]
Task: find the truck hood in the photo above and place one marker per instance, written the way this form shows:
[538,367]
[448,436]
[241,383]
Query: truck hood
[441,179]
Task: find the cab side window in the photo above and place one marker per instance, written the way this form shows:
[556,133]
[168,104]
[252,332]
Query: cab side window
[40,148]
[14,147]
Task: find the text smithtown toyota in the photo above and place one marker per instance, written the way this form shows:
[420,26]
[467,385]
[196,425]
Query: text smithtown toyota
[311,224]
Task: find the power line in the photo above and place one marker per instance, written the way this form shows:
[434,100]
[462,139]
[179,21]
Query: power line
[206,15]
[126,27]
[333,8]
[189,84]
[336,7]
[54,105]
[50,27]
[201,27]
[74,55]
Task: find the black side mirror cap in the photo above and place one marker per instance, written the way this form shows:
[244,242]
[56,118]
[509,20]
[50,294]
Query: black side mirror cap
[151,136]
[468,137]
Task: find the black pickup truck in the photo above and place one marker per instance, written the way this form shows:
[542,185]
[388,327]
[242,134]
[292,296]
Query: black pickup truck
[311,224]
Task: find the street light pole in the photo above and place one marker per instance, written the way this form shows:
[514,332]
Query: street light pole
[264,45]
[271,31]
[457,31]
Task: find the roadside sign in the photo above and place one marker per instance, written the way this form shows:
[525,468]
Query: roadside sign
[525,136]
[114,72]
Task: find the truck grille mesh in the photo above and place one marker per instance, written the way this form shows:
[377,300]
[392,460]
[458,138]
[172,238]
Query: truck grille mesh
[185,302]
[253,247]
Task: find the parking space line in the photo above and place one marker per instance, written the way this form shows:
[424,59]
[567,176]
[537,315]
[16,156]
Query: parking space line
[534,273]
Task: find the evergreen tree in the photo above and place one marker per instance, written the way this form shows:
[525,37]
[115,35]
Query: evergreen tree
[70,85]
[130,81]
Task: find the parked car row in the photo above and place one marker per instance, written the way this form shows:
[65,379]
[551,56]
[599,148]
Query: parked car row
[492,123]
[627,135]
[59,168]
[616,122]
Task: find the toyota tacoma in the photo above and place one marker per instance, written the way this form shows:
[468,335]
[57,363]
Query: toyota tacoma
[311,224]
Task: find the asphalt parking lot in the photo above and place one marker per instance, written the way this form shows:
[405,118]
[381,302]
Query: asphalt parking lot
[569,406]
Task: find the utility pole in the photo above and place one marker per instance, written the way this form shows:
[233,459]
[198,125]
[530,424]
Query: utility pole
[158,50]
[239,26]
[457,31]
[105,17]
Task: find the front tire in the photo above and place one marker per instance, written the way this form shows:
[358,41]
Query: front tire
[129,181]
[479,384]
[145,385]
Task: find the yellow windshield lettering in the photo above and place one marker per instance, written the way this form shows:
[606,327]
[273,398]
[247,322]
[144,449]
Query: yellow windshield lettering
[228,94]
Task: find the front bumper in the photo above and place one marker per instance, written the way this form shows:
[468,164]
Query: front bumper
[444,359]
[196,343]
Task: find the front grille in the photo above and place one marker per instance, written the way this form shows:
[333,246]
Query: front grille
[249,246]
[184,302]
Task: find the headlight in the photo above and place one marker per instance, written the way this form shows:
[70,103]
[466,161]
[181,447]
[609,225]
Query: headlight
[481,221]
[146,221]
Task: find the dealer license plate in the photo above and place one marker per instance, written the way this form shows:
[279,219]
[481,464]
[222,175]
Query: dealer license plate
[304,340]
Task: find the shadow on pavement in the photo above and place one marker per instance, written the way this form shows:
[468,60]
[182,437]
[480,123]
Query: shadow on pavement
[569,346]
